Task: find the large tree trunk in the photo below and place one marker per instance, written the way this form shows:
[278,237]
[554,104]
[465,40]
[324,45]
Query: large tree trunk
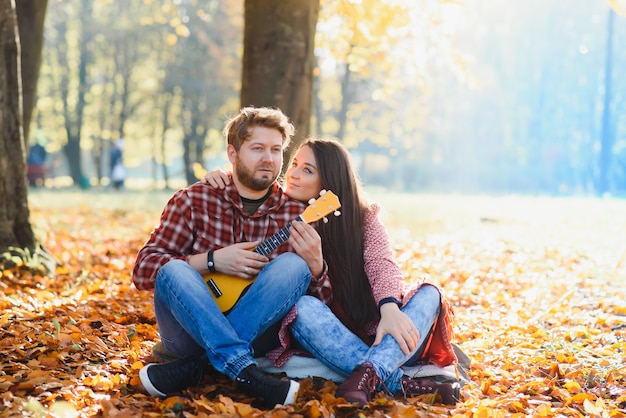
[15,228]
[278,59]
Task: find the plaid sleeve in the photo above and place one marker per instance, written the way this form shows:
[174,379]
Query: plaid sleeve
[321,287]
[171,239]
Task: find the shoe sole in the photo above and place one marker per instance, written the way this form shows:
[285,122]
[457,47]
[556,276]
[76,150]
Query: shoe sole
[147,384]
[292,394]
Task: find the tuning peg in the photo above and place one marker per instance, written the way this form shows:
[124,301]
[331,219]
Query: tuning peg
[322,192]
[311,201]
[325,219]
[337,213]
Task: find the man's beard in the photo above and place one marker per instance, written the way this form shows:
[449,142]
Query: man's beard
[246,178]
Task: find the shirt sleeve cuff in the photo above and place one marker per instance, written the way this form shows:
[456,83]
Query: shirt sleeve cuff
[322,276]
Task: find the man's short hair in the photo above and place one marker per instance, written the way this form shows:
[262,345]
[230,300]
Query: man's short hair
[237,129]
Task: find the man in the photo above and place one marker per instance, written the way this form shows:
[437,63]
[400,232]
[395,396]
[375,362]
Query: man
[205,230]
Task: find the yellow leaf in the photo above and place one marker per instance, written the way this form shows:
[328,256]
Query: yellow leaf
[572,387]
[591,408]
[33,405]
[63,409]
[544,410]
[5,318]
[483,412]
[517,406]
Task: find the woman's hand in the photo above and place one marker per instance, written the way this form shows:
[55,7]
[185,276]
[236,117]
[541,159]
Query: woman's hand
[395,322]
[218,178]
[307,243]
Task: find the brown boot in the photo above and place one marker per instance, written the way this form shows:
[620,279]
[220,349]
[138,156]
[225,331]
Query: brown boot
[360,385]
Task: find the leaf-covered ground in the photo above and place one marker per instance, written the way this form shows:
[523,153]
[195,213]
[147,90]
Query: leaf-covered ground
[538,288]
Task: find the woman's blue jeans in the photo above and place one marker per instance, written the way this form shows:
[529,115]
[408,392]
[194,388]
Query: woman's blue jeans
[190,322]
[321,333]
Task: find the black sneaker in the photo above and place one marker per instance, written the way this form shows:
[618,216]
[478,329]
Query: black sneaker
[450,392]
[270,390]
[163,379]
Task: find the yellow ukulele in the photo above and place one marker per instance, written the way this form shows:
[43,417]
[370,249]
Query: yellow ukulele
[227,289]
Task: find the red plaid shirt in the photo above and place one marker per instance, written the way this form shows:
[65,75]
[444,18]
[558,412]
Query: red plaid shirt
[200,218]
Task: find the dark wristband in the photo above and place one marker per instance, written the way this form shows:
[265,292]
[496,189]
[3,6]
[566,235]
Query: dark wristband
[210,264]
[389,300]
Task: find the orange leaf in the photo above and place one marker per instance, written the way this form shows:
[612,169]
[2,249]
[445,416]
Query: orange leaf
[580,398]
[573,387]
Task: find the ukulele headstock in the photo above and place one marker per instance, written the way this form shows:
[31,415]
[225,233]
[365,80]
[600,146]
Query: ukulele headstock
[319,208]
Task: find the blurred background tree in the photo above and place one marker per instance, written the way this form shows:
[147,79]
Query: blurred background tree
[439,95]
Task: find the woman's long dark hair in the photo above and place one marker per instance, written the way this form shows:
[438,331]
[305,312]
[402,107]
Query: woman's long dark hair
[342,239]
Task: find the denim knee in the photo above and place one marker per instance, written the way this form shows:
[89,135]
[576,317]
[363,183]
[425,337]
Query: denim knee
[308,306]
[294,264]
[172,268]
[292,258]
[429,293]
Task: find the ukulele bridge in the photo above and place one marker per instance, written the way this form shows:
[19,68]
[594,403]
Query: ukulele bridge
[214,288]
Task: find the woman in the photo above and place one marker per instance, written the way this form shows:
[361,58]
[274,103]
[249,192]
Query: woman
[361,322]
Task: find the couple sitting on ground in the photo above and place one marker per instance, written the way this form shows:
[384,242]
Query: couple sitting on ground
[332,289]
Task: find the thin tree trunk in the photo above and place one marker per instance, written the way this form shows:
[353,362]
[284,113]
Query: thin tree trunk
[606,140]
[73,115]
[318,109]
[166,126]
[346,98]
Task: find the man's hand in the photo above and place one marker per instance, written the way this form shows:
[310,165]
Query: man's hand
[395,322]
[308,245]
[239,260]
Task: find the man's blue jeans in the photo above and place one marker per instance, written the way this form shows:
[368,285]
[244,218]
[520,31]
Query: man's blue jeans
[321,333]
[190,322]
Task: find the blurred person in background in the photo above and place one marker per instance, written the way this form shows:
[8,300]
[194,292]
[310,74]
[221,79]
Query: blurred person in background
[36,161]
[116,162]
